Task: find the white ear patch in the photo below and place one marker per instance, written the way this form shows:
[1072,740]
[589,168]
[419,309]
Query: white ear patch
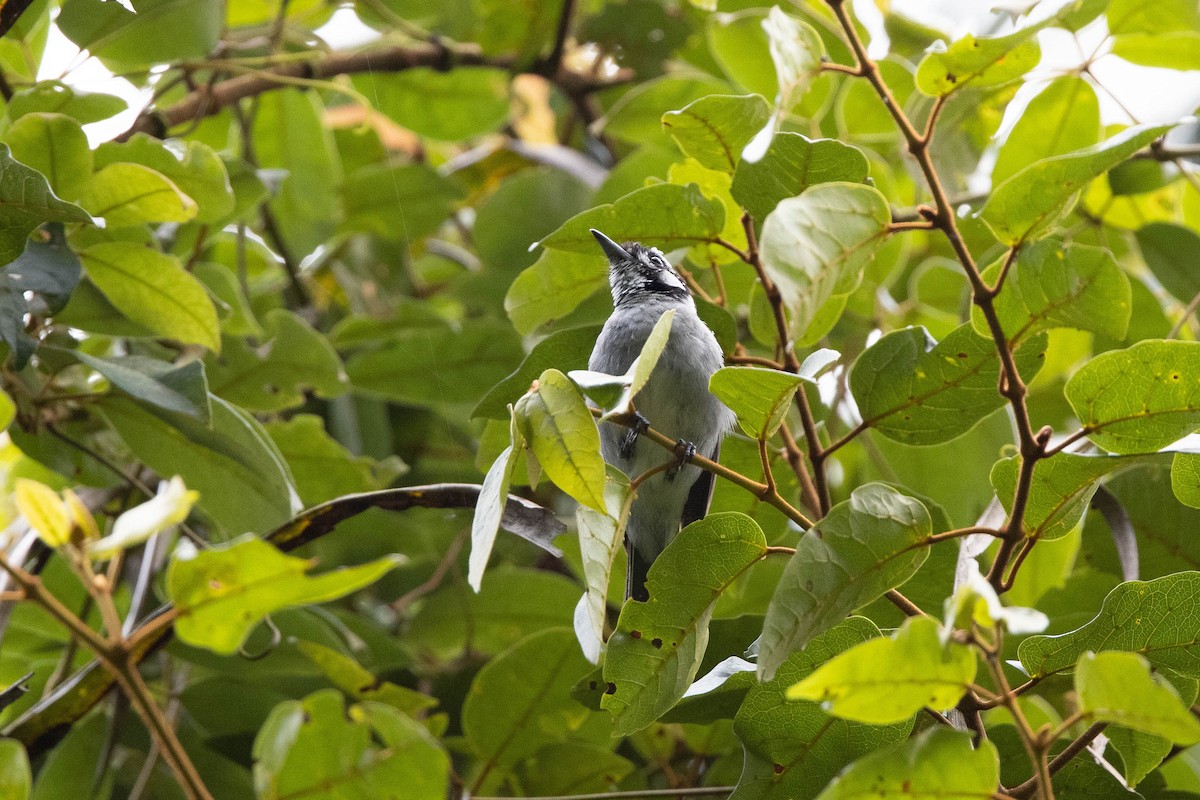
[670,279]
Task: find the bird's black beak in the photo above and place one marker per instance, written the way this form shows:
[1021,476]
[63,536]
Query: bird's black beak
[611,249]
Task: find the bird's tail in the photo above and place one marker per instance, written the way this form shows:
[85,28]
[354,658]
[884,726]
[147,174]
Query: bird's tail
[635,576]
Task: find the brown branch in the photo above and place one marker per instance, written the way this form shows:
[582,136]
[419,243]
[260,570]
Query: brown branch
[1026,789]
[901,602]
[208,100]
[942,215]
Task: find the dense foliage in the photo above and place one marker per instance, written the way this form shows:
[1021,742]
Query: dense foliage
[261,351]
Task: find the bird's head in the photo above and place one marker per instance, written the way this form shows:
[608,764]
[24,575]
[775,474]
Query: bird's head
[638,273]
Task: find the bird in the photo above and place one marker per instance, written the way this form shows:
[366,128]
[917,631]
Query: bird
[675,400]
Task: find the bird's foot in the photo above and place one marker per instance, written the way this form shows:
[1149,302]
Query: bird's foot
[639,425]
[684,453]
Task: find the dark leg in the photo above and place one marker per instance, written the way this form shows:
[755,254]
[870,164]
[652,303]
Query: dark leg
[684,453]
[640,426]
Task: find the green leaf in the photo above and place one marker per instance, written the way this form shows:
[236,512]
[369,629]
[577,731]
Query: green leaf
[1171,252]
[316,748]
[233,307]
[493,494]
[1163,35]
[637,116]
[1157,402]
[1141,753]
[796,50]
[564,350]
[738,43]
[714,129]
[1025,205]
[615,393]
[656,649]
[174,387]
[871,543]
[600,537]
[243,482]
[405,203]
[1156,619]
[289,135]
[793,749]
[553,287]
[290,359]
[131,194]
[507,28]
[1175,50]
[792,164]
[56,97]
[917,391]
[452,105]
[884,681]
[153,289]
[1065,116]
[760,397]
[15,775]
[348,675]
[42,278]
[817,245]
[938,763]
[323,469]
[1061,489]
[1052,285]
[978,62]
[1185,478]
[520,701]
[560,430]
[27,202]
[1119,688]
[54,145]
[426,366]
[663,215]
[160,32]
[221,593]
[524,208]
[197,171]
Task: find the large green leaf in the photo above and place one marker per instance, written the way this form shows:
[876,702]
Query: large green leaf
[173,387]
[1025,205]
[1060,490]
[1185,478]
[759,397]
[940,763]
[27,202]
[405,203]
[1119,688]
[656,649]
[564,350]
[322,468]
[739,44]
[797,51]
[553,287]
[560,430]
[243,482]
[155,32]
[197,171]
[637,116]
[816,246]
[15,775]
[662,215]
[793,749]
[887,680]
[56,146]
[317,748]
[451,105]
[521,701]
[524,208]
[1057,286]
[1157,401]
[489,508]
[714,129]
[153,289]
[1156,619]
[426,366]
[918,391]
[56,97]
[792,164]
[865,546]
[290,359]
[1065,116]
[978,62]
[1162,34]
[1171,252]
[600,537]
[131,194]
[221,593]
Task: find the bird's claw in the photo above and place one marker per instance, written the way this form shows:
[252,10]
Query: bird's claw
[638,426]
[684,453]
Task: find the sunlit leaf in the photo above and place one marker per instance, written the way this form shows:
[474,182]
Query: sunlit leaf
[1119,688]
[759,397]
[940,762]
[664,215]
[714,129]
[560,431]
[130,194]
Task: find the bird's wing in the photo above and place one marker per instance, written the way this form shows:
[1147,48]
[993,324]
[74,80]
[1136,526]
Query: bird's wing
[700,495]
